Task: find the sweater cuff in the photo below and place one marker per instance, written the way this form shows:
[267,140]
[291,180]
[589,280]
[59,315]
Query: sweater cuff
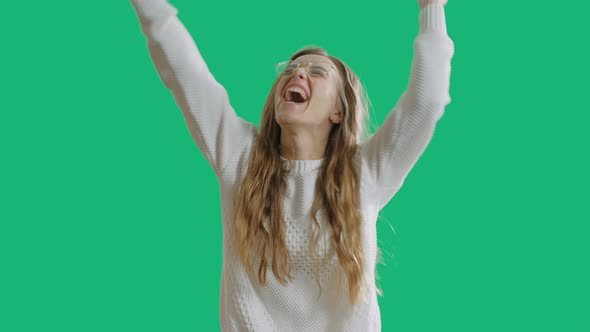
[432,18]
[153,10]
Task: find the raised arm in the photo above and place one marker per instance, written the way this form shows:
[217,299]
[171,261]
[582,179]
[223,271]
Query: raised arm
[388,156]
[210,118]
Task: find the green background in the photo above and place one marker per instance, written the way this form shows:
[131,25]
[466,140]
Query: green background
[110,215]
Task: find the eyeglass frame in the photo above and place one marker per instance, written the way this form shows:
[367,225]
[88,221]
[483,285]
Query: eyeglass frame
[299,64]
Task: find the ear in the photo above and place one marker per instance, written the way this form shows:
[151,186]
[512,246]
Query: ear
[336,117]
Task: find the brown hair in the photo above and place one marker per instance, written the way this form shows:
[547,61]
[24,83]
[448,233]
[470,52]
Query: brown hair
[258,213]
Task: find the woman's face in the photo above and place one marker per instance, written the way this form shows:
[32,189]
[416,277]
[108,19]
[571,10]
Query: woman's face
[321,104]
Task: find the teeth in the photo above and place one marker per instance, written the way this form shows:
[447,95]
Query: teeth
[295,89]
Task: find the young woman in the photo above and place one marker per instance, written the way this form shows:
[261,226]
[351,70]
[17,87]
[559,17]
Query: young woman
[301,193]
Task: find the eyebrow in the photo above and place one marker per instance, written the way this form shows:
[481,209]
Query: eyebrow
[316,62]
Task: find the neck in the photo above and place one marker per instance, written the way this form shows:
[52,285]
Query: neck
[303,145]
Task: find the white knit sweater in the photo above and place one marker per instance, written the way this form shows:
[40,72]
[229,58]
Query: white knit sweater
[226,139]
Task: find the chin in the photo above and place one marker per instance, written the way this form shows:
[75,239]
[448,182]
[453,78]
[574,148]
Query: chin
[283,118]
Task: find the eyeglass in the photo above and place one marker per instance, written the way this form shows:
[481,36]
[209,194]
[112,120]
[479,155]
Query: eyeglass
[314,69]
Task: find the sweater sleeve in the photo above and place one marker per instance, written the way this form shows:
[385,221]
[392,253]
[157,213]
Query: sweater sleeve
[389,154]
[211,120]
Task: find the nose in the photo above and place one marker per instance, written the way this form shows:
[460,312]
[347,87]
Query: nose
[300,72]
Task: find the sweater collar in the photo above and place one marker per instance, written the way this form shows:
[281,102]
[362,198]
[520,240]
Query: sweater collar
[302,166]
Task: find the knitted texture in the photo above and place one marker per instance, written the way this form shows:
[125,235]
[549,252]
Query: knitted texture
[225,140]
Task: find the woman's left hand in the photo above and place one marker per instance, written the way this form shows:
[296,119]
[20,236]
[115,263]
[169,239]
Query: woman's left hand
[423,3]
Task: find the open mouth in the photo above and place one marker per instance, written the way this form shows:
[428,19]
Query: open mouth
[295,95]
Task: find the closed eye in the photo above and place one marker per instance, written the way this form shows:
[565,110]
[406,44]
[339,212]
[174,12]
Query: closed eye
[319,70]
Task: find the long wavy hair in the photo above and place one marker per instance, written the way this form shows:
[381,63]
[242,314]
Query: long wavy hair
[258,213]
